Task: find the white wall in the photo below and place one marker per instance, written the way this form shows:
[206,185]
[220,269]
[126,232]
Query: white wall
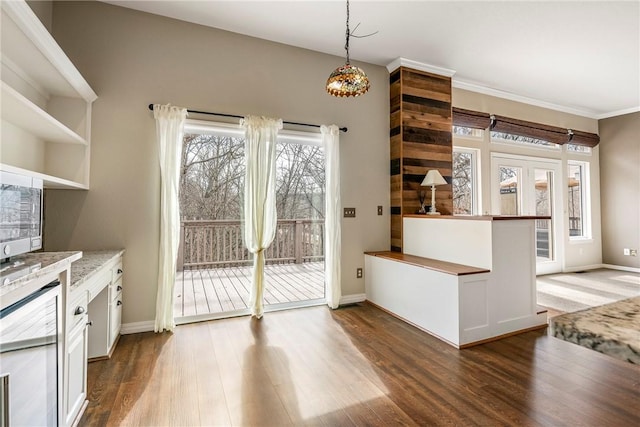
[132,59]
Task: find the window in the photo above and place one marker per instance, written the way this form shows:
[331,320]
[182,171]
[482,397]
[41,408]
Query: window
[504,137]
[573,148]
[465,181]
[577,200]
[468,132]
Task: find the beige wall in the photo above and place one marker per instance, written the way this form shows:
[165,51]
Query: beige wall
[620,188]
[132,59]
[43,10]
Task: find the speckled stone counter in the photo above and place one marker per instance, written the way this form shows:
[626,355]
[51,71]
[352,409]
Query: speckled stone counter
[612,329]
[17,280]
[90,263]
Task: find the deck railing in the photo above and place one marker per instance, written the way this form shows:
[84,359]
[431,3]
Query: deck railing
[220,243]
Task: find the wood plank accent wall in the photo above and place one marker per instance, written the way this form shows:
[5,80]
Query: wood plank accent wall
[420,140]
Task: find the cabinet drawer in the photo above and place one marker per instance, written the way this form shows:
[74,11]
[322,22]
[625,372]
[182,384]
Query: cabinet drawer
[115,291]
[96,284]
[117,271]
[77,311]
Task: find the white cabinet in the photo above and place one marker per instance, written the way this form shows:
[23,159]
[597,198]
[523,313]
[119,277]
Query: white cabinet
[75,356]
[105,307]
[115,305]
[46,104]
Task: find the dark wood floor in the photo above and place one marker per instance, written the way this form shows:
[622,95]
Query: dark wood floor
[353,366]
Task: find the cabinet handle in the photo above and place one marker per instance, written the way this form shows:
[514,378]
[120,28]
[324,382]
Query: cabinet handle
[119,288]
[119,271]
[79,310]
[119,302]
[90,323]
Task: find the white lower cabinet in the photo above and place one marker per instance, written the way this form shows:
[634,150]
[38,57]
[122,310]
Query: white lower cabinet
[75,357]
[94,307]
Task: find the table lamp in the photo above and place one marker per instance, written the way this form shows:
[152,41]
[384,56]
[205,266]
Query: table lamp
[433,178]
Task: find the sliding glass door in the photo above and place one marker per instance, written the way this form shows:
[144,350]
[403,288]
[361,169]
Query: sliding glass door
[526,186]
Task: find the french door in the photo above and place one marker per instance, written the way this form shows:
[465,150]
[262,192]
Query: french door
[531,186]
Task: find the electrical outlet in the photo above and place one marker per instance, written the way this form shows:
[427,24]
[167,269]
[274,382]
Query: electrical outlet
[358,273]
[626,251]
[634,252]
[349,212]
[379,210]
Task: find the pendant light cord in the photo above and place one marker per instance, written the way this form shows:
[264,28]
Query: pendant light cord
[346,45]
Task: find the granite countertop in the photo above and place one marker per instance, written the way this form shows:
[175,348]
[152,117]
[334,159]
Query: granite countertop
[17,279]
[90,263]
[612,329]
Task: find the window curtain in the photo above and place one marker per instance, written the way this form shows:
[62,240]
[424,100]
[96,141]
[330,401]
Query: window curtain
[333,233]
[260,217]
[169,133]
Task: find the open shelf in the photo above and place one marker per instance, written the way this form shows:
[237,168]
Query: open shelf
[45,105]
[48,181]
[18,110]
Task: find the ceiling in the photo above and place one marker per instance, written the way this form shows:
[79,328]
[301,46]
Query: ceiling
[581,57]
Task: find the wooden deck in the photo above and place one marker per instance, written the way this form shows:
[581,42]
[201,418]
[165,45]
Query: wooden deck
[219,290]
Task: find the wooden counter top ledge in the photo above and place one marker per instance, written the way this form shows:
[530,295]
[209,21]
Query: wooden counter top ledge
[432,264]
[476,217]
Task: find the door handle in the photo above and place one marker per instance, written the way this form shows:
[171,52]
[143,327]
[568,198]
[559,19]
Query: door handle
[79,310]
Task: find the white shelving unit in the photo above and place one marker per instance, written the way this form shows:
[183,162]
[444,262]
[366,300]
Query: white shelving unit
[46,104]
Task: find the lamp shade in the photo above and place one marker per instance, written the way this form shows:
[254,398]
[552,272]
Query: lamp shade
[433,177]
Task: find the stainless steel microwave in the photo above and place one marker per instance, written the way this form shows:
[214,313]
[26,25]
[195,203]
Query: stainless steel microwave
[20,214]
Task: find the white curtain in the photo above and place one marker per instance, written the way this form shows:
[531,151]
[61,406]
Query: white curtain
[333,233]
[260,218]
[169,133]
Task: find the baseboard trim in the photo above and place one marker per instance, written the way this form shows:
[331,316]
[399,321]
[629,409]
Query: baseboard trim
[621,268]
[352,299]
[582,268]
[137,327]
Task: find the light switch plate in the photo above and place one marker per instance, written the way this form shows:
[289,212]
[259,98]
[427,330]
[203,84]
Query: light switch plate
[349,212]
[379,210]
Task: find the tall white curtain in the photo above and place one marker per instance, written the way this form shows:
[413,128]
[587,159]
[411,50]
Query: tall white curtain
[169,133]
[333,232]
[260,218]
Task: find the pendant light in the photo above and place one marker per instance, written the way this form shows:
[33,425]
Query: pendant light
[347,80]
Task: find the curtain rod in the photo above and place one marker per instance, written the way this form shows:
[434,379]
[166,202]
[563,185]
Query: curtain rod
[343,129]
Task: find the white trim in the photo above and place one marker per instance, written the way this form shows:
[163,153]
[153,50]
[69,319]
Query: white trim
[421,66]
[582,268]
[621,268]
[137,327]
[618,113]
[474,87]
[352,299]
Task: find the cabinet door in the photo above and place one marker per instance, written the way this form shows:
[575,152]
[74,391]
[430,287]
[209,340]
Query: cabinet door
[115,316]
[75,373]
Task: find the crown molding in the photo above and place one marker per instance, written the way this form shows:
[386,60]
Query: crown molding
[618,113]
[473,87]
[421,66]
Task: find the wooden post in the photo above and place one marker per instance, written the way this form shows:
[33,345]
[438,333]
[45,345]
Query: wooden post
[298,248]
[420,139]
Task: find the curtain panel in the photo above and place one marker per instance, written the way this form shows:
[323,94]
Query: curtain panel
[169,134]
[260,217]
[333,231]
